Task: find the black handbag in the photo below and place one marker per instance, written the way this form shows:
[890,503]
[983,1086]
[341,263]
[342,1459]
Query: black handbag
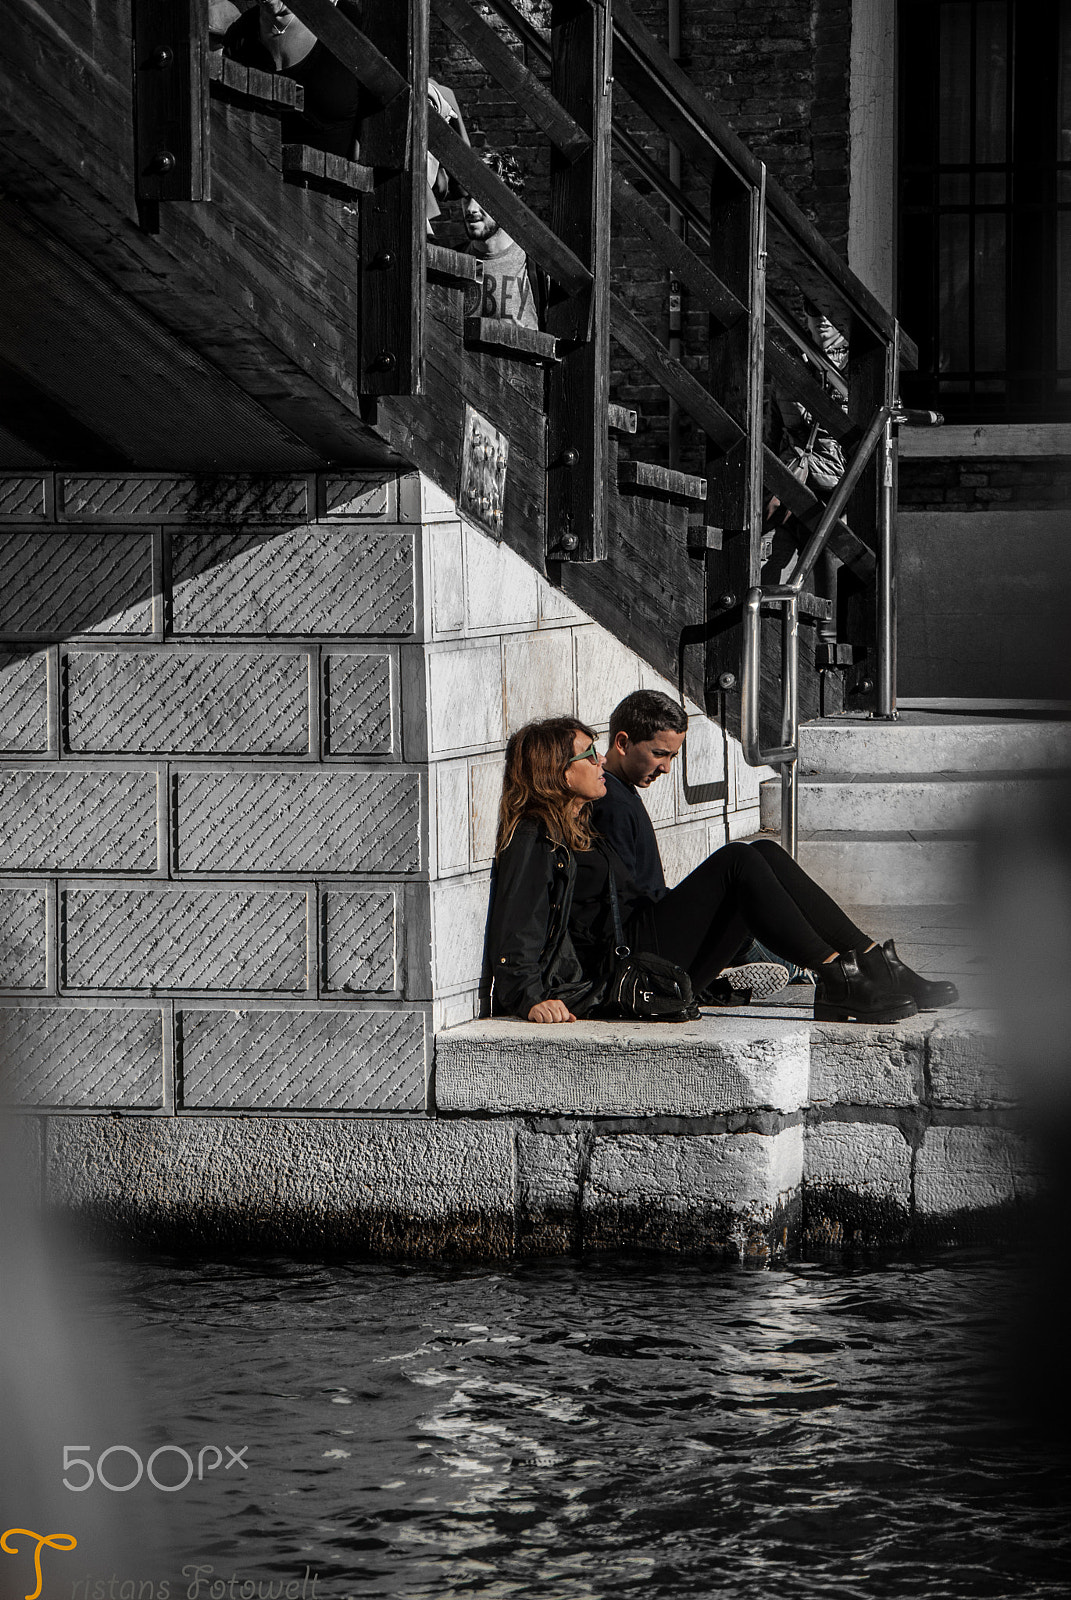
[646,987]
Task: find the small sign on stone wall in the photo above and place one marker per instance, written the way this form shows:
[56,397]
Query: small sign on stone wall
[482,488]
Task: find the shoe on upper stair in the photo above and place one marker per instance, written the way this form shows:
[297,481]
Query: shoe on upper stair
[844,992]
[882,963]
[760,979]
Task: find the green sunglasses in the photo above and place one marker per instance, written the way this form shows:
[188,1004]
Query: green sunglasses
[590,754]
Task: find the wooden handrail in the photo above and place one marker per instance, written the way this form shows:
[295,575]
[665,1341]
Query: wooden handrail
[677,381]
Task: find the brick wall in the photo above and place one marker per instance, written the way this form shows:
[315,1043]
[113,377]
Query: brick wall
[973,483]
[251,739]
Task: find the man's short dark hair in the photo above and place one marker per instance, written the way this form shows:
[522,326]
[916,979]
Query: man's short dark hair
[504,166]
[642,713]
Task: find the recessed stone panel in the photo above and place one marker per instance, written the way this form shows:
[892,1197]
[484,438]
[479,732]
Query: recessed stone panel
[308,580]
[237,497]
[54,585]
[323,821]
[90,1057]
[77,819]
[356,496]
[358,703]
[360,940]
[343,1059]
[22,939]
[22,498]
[23,703]
[206,702]
[185,938]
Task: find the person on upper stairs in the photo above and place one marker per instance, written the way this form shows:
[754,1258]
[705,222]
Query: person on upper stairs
[550,948]
[270,38]
[647,732]
[513,288]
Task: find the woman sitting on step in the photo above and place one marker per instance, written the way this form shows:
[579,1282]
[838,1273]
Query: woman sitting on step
[550,939]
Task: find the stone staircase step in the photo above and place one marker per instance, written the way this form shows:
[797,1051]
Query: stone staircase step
[886,867]
[648,476]
[453,266]
[920,742]
[508,338]
[947,802]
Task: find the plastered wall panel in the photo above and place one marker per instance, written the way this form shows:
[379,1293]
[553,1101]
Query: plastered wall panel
[317,821]
[360,940]
[77,819]
[23,703]
[90,1057]
[359,696]
[236,497]
[185,938]
[23,925]
[342,1059]
[465,688]
[320,580]
[58,584]
[204,702]
[539,676]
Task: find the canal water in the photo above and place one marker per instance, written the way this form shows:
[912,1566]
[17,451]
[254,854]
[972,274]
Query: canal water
[572,1430]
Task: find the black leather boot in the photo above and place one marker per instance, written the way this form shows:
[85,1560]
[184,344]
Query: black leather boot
[843,992]
[882,963]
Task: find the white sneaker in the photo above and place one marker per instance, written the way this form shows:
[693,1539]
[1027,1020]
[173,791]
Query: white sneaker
[763,978]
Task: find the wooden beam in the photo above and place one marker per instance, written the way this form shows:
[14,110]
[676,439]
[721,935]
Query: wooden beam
[578,393]
[171,100]
[807,507]
[381,75]
[537,102]
[795,380]
[508,209]
[652,354]
[683,262]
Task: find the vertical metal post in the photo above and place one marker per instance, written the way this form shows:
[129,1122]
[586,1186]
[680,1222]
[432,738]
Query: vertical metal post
[886,573]
[790,713]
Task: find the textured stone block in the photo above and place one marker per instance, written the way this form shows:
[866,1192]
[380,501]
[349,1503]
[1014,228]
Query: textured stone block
[485,782]
[970,1169]
[353,495]
[704,760]
[465,693]
[549,1167]
[210,702]
[333,821]
[56,585]
[699,1068]
[539,676]
[421,500]
[872,1066]
[23,498]
[458,919]
[185,938]
[500,588]
[393,1186]
[682,850]
[359,698]
[555,608]
[869,1159]
[969,1061]
[451,815]
[77,819]
[22,938]
[308,580]
[91,1058]
[23,703]
[447,577]
[238,497]
[606,671]
[342,1059]
[360,940]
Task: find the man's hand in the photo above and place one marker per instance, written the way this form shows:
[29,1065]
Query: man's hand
[550,1011]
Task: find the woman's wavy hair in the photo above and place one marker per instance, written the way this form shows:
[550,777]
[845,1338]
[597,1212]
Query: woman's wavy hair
[534,784]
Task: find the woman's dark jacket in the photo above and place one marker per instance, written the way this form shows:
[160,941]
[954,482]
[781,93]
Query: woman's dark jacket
[529,954]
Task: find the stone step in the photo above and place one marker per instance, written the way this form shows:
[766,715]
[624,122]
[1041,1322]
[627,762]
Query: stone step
[922,742]
[878,867]
[949,802]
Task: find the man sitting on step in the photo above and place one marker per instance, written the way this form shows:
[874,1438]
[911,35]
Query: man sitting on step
[513,288]
[647,731]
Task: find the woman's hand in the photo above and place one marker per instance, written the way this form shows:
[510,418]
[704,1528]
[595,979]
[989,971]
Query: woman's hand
[550,1011]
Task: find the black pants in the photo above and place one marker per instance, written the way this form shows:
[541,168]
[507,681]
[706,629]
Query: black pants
[741,890]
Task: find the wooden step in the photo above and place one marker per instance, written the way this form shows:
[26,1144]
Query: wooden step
[702,536]
[453,266]
[509,339]
[262,91]
[621,419]
[319,169]
[647,475]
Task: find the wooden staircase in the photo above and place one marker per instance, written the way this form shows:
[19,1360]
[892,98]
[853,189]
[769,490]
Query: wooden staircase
[303,317]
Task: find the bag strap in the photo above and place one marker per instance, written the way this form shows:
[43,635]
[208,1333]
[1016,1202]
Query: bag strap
[620,947]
